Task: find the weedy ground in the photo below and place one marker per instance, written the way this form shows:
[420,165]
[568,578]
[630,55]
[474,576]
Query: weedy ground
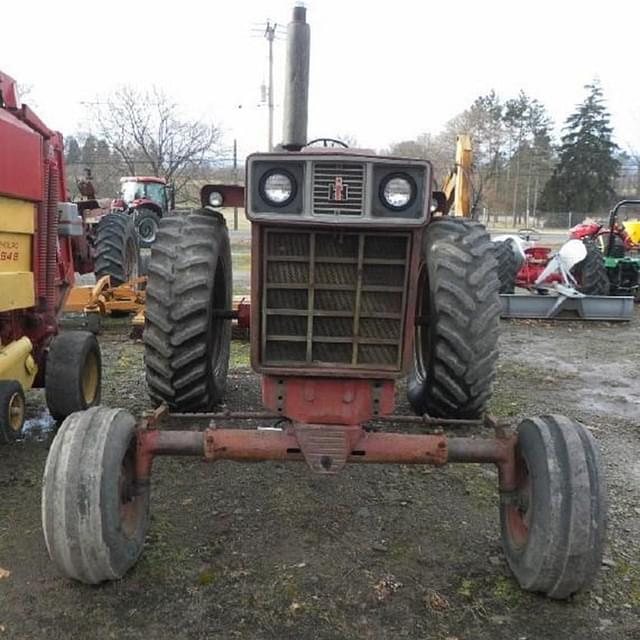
[272,551]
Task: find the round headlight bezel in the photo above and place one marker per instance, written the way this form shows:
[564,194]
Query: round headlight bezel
[219,200]
[263,183]
[412,186]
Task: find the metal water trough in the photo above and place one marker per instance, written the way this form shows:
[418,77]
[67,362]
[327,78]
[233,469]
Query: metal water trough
[558,307]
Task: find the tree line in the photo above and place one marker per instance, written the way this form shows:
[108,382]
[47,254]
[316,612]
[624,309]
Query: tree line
[518,167]
[143,133]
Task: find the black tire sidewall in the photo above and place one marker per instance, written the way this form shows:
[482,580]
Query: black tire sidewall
[117,250]
[64,372]
[219,332]
[417,381]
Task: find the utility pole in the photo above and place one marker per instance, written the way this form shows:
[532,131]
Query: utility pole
[270,31]
[270,35]
[235,181]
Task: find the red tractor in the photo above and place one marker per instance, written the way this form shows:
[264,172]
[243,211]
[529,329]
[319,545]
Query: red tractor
[147,199]
[355,285]
[43,242]
[521,263]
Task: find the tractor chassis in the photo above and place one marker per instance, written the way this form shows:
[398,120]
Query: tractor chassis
[326,448]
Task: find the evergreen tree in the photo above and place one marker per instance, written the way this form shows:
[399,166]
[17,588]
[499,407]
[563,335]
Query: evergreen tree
[72,151]
[89,151]
[584,177]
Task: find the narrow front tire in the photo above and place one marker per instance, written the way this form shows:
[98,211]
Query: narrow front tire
[94,513]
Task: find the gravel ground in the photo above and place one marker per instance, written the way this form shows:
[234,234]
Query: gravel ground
[272,551]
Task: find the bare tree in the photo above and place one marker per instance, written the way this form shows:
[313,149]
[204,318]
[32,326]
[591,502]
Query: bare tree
[146,130]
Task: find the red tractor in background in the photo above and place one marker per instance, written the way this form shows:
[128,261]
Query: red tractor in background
[147,199]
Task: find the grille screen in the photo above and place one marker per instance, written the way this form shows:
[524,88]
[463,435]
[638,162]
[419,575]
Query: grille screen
[338,188]
[333,299]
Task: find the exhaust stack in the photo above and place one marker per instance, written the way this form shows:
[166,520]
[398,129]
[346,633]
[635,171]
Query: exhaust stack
[296,88]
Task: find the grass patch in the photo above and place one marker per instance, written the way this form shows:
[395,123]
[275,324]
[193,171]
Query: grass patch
[240,354]
[507,591]
[481,488]
[243,222]
[241,261]
[630,573]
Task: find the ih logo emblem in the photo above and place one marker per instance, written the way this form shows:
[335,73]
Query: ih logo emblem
[338,191]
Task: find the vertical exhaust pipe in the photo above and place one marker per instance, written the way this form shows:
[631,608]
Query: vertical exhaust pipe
[296,88]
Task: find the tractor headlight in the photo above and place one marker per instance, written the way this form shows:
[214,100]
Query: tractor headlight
[398,191]
[278,187]
[216,199]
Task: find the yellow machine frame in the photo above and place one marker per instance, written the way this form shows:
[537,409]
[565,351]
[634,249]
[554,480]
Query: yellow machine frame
[457,186]
[17,291]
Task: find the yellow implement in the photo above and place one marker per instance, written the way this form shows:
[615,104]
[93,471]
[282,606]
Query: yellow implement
[105,300]
[457,187]
[17,363]
[17,227]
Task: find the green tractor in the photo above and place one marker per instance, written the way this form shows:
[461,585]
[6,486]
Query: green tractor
[619,243]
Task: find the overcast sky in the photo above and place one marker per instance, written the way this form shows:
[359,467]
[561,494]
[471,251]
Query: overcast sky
[381,72]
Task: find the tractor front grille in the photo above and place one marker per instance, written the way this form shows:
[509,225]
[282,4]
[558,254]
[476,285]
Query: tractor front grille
[338,188]
[333,299]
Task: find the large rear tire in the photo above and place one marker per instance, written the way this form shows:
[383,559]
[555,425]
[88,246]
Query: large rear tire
[186,346]
[116,248]
[456,344]
[554,524]
[94,514]
[508,265]
[591,273]
[73,373]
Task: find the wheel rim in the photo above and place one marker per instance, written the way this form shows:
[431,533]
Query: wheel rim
[90,379]
[16,412]
[519,511]
[130,502]
[148,229]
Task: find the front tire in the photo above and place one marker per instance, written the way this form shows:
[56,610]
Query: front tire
[73,373]
[186,346]
[94,515]
[456,348]
[553,525]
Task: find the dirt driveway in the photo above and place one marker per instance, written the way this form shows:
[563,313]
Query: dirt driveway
[271,551]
